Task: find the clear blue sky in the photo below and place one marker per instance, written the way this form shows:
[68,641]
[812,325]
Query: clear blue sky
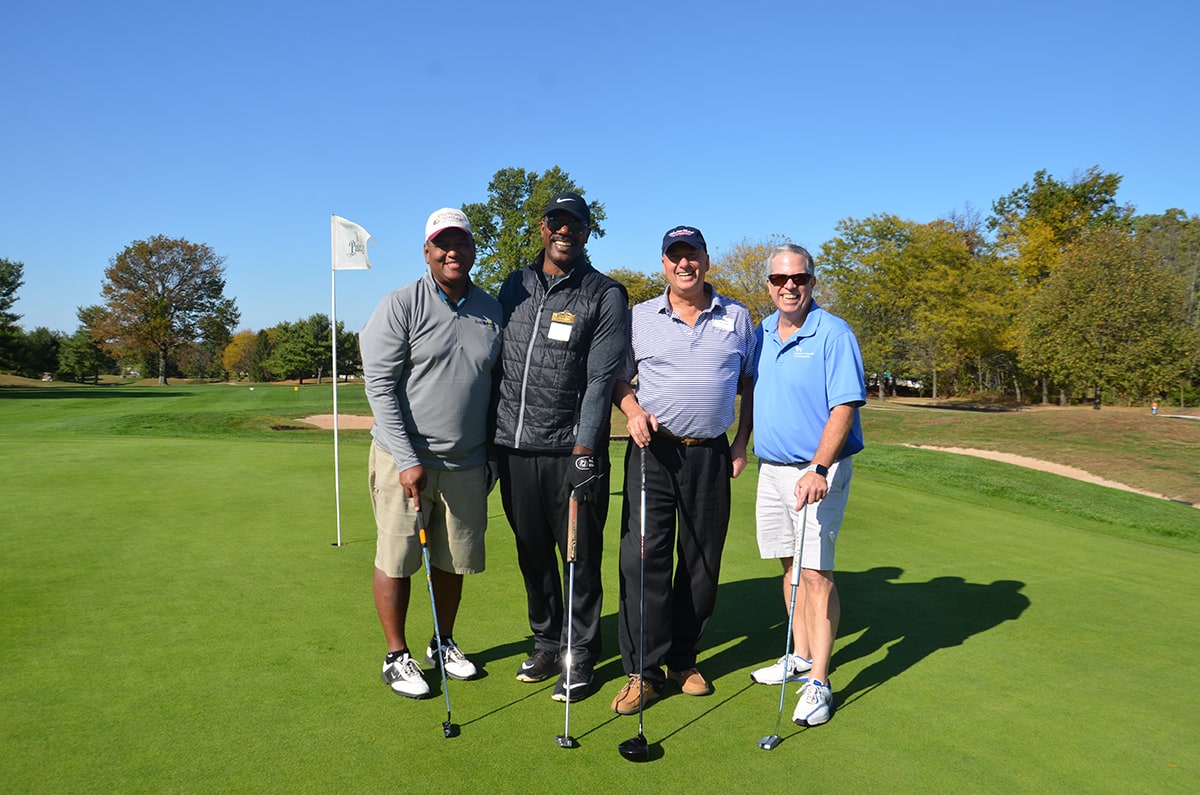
[244,124]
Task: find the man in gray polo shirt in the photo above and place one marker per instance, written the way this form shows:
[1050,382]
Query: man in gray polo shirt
[691,347]
[428,352]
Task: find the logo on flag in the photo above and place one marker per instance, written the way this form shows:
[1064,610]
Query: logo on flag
[349,242]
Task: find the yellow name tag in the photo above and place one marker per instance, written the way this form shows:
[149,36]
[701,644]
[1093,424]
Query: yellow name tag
[562,317]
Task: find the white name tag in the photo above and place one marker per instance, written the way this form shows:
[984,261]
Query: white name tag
[560,326]
[723,323]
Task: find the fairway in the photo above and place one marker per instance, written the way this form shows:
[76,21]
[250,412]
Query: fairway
[176,619]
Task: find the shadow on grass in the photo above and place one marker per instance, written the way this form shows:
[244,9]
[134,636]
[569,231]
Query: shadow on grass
[913,620]
[910,620]
[86,392]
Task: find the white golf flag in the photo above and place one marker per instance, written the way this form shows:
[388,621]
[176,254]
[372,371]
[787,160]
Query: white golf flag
[349,245]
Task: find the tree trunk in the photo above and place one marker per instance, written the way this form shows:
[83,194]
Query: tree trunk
[882,386]
[1045,391]
[162,366]
[1017,386]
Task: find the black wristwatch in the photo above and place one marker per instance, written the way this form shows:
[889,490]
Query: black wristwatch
[820,470]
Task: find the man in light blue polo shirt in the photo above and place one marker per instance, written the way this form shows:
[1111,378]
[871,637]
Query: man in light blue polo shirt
[807,389]
[691,349]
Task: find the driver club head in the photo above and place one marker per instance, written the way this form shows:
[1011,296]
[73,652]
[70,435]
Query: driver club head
[769,742]
[635,749]
[449,730]
[566,741]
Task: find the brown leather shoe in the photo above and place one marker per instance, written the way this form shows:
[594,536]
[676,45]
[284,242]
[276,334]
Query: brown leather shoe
[626,702]
[691,682]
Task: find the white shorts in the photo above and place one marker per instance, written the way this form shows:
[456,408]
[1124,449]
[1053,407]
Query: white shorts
[779,521]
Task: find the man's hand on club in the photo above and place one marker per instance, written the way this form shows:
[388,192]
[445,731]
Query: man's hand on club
[583,477]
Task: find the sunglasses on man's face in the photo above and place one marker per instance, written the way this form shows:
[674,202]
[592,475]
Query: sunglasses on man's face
[557,222]
[780,279]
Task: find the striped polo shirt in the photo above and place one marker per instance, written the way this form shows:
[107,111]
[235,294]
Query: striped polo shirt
[688,376]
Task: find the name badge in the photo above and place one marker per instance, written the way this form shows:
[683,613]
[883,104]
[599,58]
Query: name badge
[723,323]
[560,326]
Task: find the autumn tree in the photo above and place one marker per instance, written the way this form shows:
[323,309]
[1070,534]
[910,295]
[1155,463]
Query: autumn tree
[1037,223]
[507,226]
[239,353]
[1111,316]
[638,285]
[920,297]
[161,293]
[741,274]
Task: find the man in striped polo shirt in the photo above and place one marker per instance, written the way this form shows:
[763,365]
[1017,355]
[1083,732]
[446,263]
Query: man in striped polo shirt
[690,349]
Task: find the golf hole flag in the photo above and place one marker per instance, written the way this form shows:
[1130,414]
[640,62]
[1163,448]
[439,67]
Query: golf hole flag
[349,245]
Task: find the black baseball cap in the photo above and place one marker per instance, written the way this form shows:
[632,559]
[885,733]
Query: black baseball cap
[571,203]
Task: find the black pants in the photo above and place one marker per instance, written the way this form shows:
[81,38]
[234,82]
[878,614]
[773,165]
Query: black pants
[533,489]
[687,514]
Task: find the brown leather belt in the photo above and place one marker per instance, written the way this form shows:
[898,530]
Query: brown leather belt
[686,441]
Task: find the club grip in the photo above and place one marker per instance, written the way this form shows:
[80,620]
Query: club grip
[572,528]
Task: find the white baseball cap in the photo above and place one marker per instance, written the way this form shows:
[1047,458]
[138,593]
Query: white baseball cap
[446,218]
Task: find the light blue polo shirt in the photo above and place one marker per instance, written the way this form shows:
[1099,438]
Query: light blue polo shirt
[797,383]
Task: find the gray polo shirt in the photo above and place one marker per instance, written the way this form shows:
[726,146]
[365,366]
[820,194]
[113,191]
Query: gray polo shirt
[428,372]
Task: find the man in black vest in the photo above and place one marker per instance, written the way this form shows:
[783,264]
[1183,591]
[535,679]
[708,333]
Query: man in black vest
[565,335]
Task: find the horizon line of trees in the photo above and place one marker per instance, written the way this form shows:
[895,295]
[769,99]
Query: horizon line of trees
[1060,291]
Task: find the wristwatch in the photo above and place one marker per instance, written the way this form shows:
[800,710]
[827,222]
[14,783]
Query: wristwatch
[823,471]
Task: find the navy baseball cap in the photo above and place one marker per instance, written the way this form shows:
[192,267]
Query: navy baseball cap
[684,234]
[571,203]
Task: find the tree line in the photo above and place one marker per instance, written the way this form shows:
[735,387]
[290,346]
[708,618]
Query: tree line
[1060,293]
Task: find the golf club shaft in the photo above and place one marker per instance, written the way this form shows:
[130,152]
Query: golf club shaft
[437,632]
[797,560]
[572,542]
[642,597]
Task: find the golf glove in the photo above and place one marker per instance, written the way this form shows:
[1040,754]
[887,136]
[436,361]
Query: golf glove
[583,478]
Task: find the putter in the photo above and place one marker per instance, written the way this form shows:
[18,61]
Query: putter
[565,740]
[448,728]
[636,749]
[769,742]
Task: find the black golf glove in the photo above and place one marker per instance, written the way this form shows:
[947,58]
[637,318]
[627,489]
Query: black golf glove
[583,478]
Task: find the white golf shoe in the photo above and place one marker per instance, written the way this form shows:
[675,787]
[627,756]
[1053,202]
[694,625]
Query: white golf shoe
[457,664]
[816,703]
[773,674]
[404,677]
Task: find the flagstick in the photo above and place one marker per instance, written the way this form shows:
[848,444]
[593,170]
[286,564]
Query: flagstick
[346,259]
[337,485]
[333,334]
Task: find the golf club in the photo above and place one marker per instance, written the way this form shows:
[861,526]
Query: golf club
[565,740]
[636,749]
[769,742]
[448,728]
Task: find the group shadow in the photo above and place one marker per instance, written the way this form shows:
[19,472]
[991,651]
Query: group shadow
[911,620]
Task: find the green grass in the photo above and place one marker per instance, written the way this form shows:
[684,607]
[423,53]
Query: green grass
[175,619]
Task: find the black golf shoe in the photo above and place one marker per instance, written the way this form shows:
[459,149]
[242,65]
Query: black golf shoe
[581,683]
[540,666]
